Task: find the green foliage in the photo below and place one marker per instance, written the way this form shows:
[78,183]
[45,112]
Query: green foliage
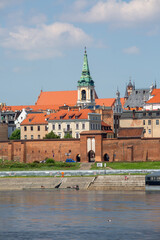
[128,165]
[15,135]
[51,135]
[50,164]
[50,160]
[68,136]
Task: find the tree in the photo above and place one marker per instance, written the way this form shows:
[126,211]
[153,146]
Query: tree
[68,135]
[51,135]
[15,135]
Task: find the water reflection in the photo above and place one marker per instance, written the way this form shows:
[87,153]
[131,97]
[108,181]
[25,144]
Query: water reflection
[70,214]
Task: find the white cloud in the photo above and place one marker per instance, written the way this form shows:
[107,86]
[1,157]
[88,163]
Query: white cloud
[44,41]
[120,12]
[131,50]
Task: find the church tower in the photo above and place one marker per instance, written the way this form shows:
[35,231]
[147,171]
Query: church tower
[86,91]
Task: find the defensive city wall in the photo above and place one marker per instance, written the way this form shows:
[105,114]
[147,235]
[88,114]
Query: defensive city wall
[144,149]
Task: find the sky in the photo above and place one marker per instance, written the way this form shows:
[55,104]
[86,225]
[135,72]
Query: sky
[42,46]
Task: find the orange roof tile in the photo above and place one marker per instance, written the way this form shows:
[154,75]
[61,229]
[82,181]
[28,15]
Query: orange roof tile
[122,101]
[35,119]
[155,99]
[155,91]
[57,98]
[30,108]
[71,114]
[107,102]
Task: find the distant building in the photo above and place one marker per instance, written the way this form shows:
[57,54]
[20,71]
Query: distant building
[136,98]
[34,126]
[148,120]
[73,122]
[154,101]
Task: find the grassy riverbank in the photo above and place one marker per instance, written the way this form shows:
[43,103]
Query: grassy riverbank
[128,165]
[35,166]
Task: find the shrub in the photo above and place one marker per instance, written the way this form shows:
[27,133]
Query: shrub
[51,135]
[50,160]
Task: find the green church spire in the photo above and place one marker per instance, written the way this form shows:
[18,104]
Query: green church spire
[86,79]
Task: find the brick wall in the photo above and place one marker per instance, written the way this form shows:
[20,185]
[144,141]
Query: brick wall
[117,149]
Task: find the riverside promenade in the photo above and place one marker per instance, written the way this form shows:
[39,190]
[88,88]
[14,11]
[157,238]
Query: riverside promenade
[85,179]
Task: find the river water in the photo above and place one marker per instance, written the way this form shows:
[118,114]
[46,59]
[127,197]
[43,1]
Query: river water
[70,214]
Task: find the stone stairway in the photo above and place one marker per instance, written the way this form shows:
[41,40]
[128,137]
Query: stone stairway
[85,166]
[82,182]
[118,182]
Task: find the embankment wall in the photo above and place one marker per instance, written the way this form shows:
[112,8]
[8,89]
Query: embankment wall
[110,182]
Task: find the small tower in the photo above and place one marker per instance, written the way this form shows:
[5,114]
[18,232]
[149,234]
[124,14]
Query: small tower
[86,91]
[129,89]
[118,105]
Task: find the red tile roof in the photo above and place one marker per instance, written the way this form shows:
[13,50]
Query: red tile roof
[30,108]
[155,99]
[107,102]
[155,91]
[57,98]
[122,101]
[71,114]
[36,119]
[130,132]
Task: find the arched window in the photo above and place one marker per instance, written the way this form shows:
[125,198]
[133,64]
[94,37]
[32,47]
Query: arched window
[83,95]
[91,94]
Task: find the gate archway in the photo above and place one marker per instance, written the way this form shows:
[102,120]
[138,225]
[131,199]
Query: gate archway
[106,157]
[78,158]
[91,156]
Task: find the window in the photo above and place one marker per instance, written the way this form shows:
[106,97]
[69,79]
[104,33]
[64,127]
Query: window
[144,130]
[25,137]
[31,136]
[46,128]
[39,136]
[77,135]
[157,113]
[59,126]
[53,127]
[25,128]
[38,128]
[149,131]
[83,96]
[143,122]
[157,122]
[149,122]
[31,128]
[83,125]
[144,114]
[150,114]
[77,126]
[68,127]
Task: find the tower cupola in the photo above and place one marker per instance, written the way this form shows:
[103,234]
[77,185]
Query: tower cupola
[86,91]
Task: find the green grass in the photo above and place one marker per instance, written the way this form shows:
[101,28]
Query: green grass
[17,166]
[128,165]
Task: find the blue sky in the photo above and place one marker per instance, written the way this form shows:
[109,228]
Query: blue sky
[42,46]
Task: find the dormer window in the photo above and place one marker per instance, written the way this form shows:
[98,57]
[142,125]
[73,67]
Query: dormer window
[62,116]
